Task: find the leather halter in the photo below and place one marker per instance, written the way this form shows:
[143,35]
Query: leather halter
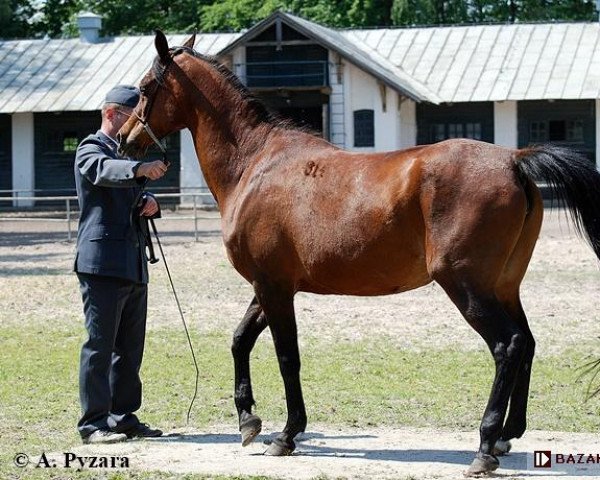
[146,114]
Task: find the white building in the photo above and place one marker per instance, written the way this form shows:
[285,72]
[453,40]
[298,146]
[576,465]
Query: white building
[368,89]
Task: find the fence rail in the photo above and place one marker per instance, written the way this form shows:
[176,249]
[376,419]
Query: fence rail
[69,217]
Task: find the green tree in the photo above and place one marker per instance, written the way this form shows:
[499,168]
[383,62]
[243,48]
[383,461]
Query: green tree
[138,16]
[17,18]
[543,10]
[233,15]
[56,14]
[56,18]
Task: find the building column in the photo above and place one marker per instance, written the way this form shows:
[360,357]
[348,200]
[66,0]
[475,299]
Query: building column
[191,179]
[598,133]
[387,119]
[23,158]
[506,124]
[336,114]
[408,122]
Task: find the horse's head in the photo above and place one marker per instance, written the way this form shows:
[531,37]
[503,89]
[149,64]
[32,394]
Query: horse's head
[155,115]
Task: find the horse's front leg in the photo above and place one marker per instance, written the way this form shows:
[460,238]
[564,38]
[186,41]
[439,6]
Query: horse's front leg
[244,338]
[278,305]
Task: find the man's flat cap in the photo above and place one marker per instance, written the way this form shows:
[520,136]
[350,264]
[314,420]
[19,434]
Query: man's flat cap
[126,95]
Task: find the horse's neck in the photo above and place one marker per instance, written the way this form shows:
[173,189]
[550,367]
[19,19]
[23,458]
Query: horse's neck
[225,150]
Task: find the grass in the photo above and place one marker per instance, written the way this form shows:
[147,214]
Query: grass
[368,383]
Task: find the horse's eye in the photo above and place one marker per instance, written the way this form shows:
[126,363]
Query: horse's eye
[143,90]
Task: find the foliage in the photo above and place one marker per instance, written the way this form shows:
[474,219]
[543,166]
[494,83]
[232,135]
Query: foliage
[143,16]
[58,18]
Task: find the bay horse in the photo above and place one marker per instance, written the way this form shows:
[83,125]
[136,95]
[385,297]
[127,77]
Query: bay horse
[300,214]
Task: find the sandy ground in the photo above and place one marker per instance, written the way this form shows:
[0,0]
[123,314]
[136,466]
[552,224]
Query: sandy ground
[561,294]
[356,454]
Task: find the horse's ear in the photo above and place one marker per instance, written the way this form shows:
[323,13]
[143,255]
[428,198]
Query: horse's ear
[190,41]
[162,46]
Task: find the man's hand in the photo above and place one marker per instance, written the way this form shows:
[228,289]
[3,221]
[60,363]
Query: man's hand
[150,207]
[152,170]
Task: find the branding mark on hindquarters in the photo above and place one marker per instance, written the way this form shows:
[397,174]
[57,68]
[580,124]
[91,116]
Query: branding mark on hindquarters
[312,169]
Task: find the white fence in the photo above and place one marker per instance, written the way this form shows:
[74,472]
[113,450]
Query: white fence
[70,216]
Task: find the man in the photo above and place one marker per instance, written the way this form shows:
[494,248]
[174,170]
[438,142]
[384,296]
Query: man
[112,271]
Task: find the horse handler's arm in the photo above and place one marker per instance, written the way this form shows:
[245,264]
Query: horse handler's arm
[104,171]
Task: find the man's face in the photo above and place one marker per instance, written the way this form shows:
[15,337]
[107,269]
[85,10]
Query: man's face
[120,115]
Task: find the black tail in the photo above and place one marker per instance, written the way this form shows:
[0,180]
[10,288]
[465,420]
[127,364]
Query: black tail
[574,181]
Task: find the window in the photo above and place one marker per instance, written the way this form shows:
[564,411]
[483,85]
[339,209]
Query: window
[455,130]
[70,142]
[537,132]
[364,128]
[473,130]
[443,131]
[575,131]
[438,132]
[556,131]
[3,142]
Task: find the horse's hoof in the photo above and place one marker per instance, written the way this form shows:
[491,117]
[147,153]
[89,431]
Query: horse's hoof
[502,447]
[277,449]
[249,429]
[482,464]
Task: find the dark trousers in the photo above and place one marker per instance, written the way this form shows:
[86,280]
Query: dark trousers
[110,389]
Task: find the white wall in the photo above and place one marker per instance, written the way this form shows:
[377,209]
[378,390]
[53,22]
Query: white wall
[23,159]
[191,179]
[408,123]
[239,63]
[363,92]
[505,124]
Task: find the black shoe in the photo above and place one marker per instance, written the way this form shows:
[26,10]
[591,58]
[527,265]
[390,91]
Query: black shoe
[143,430]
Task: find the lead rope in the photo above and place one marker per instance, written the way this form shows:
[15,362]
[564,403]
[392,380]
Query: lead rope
[162,147]
[187,333]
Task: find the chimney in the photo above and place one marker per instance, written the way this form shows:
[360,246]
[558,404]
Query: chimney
[89,27]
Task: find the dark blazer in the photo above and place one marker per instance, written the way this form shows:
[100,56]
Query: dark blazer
[108,242]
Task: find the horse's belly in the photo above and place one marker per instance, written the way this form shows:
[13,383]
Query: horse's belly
[367,276]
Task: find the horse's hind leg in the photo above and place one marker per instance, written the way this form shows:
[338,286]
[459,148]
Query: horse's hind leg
[506,341]
[507,290]
[244,338]
[516,421]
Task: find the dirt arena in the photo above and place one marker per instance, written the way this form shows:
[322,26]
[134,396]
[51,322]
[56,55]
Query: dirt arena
[561,295]
[561,292]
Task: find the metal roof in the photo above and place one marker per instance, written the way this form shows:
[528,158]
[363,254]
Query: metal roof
[493,62]
[59,75]
[438,64]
